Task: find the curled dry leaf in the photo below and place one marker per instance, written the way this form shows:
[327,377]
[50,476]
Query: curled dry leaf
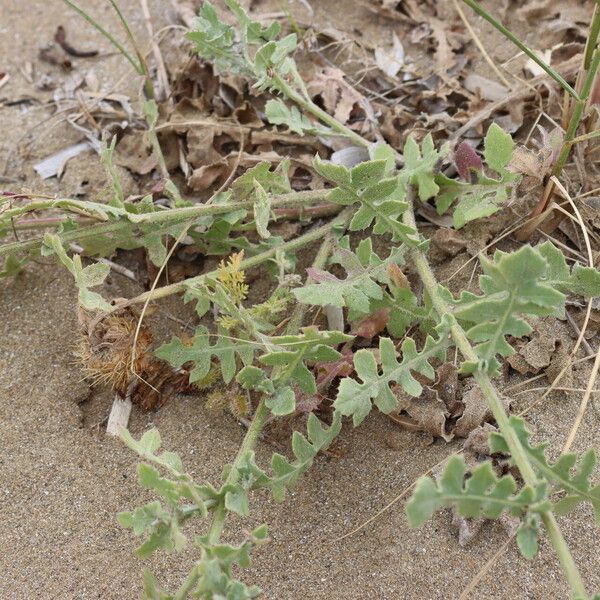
[134,154]
[446,408]
[448,241]
[373,324]
[340,99]
[489,90]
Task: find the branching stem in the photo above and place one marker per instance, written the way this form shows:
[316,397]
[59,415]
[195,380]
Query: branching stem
[262,412]
[295,244]
[312,108]
[493,400]
[168,217]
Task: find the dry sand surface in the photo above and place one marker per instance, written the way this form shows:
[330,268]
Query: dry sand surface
[62,481]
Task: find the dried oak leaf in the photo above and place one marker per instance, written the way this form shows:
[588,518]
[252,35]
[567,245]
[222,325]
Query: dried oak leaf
[339,98]
[135,154]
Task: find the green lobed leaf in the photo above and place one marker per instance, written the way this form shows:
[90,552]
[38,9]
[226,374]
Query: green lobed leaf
[570,473]
[279,113]
[355,398]
[513,285]
[482,494]
[200,352]
[420,165]
[85,277]
[486,195]
[365,271]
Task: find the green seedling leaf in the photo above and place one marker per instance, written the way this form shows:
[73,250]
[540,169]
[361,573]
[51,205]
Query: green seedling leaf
[85,278]
[381,198]
[580,281]
[278,113]
[272,182]
[498,148]
[486,195]
[286,473]
[215,41]
[420,165]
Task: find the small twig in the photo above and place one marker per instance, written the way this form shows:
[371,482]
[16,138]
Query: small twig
[114,266]
[584,342]
[162,77]
[583,404]
[119,415]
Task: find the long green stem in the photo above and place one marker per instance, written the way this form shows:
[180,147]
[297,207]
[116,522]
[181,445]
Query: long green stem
[262,412]
[258,422]
[312,108]
[493,400]
[295,244]
[167,217]
[578,110]
[519,44]
[592,40]
[188,585]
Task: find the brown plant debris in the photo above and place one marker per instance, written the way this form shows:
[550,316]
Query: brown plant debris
[111,355]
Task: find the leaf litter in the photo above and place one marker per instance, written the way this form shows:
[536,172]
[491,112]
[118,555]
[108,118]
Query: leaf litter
[442,100]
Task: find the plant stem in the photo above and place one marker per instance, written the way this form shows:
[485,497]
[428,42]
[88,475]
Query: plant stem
[172,216]
[493,400]
[295,244]
[519,44]
[188,585]
[579,108]
[260,417]
[592,40]
[312,108]
[262,412]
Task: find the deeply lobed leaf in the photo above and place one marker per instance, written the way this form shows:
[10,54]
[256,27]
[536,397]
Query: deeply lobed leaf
[569,473]
[355,398]
[529,281]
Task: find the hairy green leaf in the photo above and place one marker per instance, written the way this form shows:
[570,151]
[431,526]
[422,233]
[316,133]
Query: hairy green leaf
[85,277]
[279,113]
[420,165]
[356,398]
[305,449]
[482,494]
[486,195]
[524,282]
[365,271]
[569,473]
[200,352]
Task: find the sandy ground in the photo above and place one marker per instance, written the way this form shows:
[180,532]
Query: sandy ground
[62,481]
